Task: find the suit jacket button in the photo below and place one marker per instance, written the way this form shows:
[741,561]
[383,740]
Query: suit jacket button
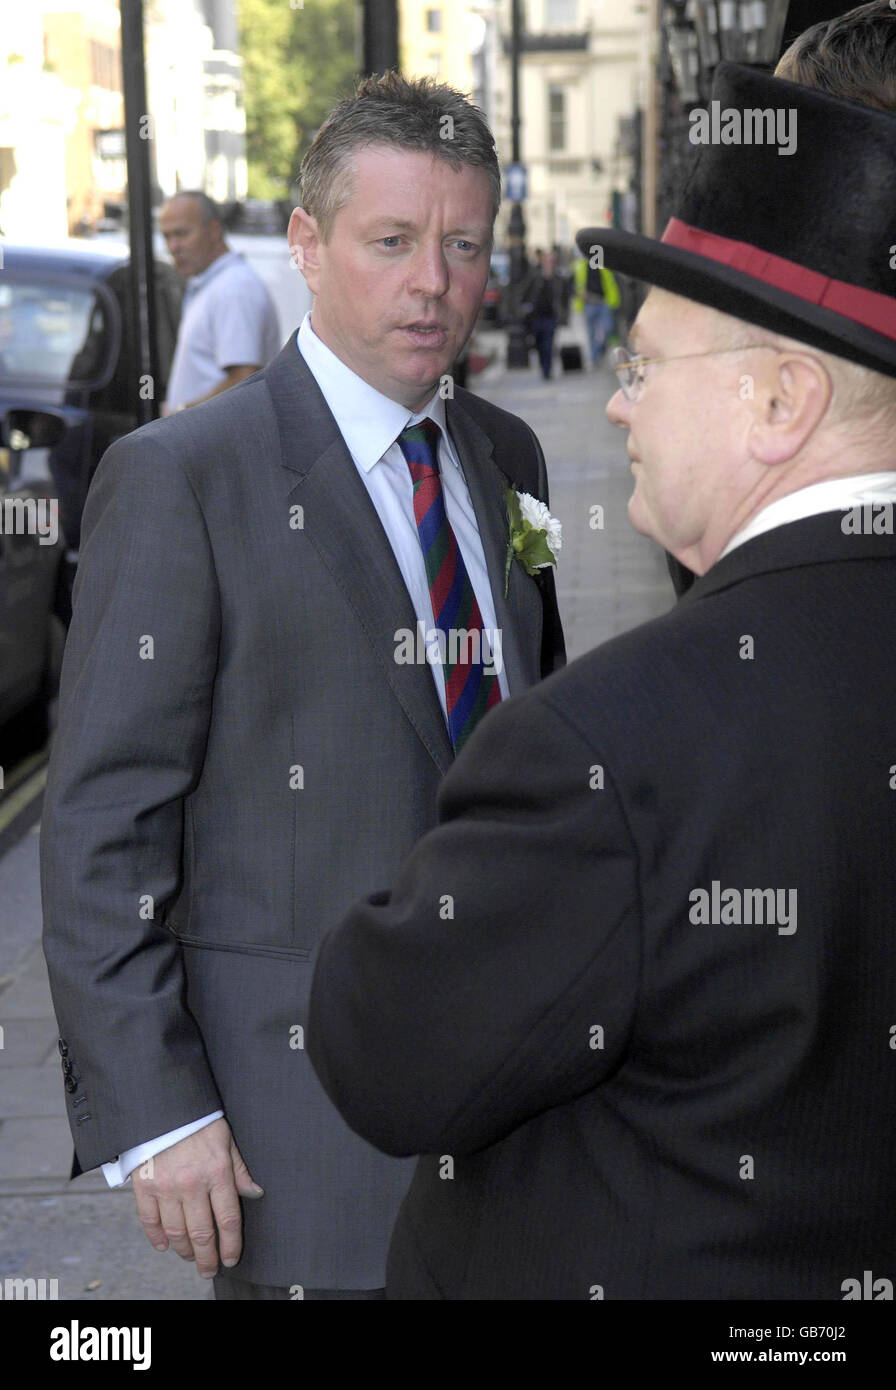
[63,1047]
[66,1065]
[70,1083]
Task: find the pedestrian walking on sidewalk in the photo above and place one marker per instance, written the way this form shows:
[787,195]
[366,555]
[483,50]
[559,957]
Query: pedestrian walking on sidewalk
[597,295]
[547,292]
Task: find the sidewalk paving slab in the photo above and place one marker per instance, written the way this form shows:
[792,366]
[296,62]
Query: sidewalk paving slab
[88,1239]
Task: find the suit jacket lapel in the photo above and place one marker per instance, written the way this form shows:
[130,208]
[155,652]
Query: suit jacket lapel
[342,524]
[519,616]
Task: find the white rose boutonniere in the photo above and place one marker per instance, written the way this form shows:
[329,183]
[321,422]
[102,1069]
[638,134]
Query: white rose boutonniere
[535,536]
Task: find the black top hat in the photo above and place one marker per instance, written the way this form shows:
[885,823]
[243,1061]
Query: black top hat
[801,243]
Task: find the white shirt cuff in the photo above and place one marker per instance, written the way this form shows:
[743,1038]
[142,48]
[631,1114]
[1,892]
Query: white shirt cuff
[118,1172]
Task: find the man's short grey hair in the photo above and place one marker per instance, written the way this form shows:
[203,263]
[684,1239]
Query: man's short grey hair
[209,210]
[410,113]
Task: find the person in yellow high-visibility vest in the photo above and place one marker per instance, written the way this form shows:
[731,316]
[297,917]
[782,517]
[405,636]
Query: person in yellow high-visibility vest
[597,295]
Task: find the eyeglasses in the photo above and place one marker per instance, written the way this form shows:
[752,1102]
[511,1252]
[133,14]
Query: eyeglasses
[630,367]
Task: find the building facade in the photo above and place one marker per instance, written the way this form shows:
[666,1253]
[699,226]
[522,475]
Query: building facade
[82,45]
[224,125]
[585,82]
[62,145]
[37,113]
[195,93]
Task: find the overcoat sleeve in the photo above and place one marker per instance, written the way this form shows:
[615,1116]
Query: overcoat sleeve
[499,978]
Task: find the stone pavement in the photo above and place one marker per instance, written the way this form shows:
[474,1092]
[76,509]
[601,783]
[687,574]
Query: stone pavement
[84,1234]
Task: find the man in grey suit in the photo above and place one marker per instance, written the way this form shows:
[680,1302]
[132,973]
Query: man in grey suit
[244,746]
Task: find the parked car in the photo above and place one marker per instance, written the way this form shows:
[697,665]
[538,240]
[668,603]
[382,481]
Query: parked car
[69,386]
[67,346]
[31,560]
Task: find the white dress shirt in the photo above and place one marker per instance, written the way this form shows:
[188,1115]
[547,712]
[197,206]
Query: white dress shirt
[118,1172]
[834,495]
[370,423]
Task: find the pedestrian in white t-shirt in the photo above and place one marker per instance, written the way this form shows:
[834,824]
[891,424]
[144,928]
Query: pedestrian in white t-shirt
[229,326]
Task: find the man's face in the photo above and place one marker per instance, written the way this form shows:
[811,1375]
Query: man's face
[399,283]
[192,244]
[688,431]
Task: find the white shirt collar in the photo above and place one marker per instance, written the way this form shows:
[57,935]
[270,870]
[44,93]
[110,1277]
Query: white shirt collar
[220,263]
[368,421]
[833,495]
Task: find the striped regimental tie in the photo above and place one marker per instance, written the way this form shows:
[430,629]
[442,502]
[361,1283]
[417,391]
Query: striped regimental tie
[470,689]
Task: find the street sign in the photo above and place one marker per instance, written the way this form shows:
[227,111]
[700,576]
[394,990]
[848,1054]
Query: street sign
[515,176]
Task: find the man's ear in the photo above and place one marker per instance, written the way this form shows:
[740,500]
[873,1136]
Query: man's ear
[790,402]
[304,243]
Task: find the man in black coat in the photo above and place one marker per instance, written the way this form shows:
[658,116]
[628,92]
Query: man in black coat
[632,999]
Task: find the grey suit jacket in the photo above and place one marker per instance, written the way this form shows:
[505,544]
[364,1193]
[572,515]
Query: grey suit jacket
[238,758]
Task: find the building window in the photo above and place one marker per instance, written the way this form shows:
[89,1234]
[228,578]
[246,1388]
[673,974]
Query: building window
[561,14]
[433,21]
[556,118]
[105,66]
[434,62]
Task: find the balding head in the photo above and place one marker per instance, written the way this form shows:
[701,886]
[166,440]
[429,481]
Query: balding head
[191,224]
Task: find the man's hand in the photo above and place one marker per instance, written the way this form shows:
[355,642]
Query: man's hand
[189,1194]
